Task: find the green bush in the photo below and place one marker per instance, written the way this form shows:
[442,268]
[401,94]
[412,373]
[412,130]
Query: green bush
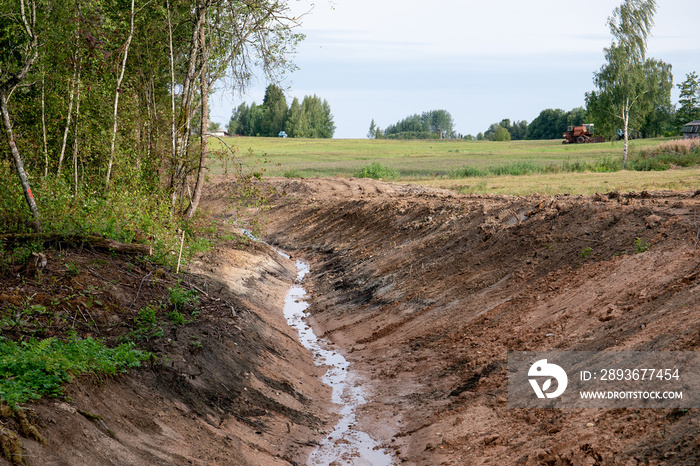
[376,171]
[126,213]
[35,368]
[469,172]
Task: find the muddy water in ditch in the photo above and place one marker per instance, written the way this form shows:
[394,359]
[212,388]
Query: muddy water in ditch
[345,444]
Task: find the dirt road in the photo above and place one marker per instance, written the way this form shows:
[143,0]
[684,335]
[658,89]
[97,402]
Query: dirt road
[426,291]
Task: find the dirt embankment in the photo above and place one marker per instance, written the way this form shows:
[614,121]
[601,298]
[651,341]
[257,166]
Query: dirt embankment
[230,386]
[426,292]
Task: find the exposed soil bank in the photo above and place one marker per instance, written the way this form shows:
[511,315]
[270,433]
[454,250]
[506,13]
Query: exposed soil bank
[426,292]
[237,387]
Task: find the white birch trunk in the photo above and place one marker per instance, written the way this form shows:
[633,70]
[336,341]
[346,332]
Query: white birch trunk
[117,91]
[71,98]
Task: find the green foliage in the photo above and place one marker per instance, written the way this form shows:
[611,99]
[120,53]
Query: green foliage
[689,100]
[311,118]
[412,135]
[181,298]
[585,252]
[551,123]
[36,368]
[147,325]
[640,246]
[436,122]
[497,133]
[629,85]
[128,213]
[524,167]
[25,318]
[674,153]
[377,171]
[177,317]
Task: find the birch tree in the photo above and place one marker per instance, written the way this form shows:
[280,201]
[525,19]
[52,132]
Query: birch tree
[117,92]
[624,88]
[13,70]
[240,36]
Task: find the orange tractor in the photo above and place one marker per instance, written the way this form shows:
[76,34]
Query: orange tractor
[580,134]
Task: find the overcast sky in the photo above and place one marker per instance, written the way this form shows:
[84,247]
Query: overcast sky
[482,62]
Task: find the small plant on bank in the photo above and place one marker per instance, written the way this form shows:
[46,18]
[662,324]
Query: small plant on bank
[177,317]
[196,345]
[585,252]
[640,246]
[146,325]
[181,298]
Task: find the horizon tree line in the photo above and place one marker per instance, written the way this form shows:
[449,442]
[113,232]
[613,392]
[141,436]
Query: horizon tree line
[310,118]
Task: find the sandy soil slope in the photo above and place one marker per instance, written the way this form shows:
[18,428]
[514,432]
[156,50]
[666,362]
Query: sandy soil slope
[426,291]
[232,387]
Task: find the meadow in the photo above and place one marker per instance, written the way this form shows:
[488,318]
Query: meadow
[514,167]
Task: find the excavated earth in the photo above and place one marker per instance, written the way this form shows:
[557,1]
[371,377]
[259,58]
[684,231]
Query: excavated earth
[422,290]
[426,291]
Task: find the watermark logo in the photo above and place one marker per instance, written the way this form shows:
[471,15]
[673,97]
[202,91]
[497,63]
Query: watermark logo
[548,372]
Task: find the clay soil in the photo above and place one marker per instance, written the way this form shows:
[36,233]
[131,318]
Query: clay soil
[426,291]
[423,291]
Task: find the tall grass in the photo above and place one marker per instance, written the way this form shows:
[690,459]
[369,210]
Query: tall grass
[668,154]
[377,171]
[128,213]
[605,164]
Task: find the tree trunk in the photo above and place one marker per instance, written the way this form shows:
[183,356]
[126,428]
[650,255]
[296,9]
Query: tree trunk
[6,88]
[43,124]
[626,119]
[172,87]
[19,165]
[75,138]
[183,132]
[118,91]
[204,123]
[71,98]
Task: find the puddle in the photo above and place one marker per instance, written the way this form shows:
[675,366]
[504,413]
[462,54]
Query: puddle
[345,444]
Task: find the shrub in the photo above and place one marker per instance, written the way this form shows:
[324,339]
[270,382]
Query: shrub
[36,368]
[376,171]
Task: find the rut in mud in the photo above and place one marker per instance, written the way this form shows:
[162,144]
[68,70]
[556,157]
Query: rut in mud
[426,292]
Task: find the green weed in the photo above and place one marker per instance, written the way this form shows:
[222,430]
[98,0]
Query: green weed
[377,171]
[146,325]
[640,246]
[181,298]
[177,317]
[36,368]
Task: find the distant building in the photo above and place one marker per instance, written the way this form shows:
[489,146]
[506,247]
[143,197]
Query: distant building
[691,130]
[219,133]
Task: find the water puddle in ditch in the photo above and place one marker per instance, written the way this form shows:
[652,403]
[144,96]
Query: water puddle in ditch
[345,444]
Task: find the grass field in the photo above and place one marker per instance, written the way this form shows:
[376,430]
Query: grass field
[516,167]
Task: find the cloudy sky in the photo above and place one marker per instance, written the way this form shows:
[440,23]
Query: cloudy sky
[482,62]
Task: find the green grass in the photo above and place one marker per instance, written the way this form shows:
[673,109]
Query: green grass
[473,166]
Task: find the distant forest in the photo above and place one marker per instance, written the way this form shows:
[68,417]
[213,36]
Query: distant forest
[311,118]
[429,125]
